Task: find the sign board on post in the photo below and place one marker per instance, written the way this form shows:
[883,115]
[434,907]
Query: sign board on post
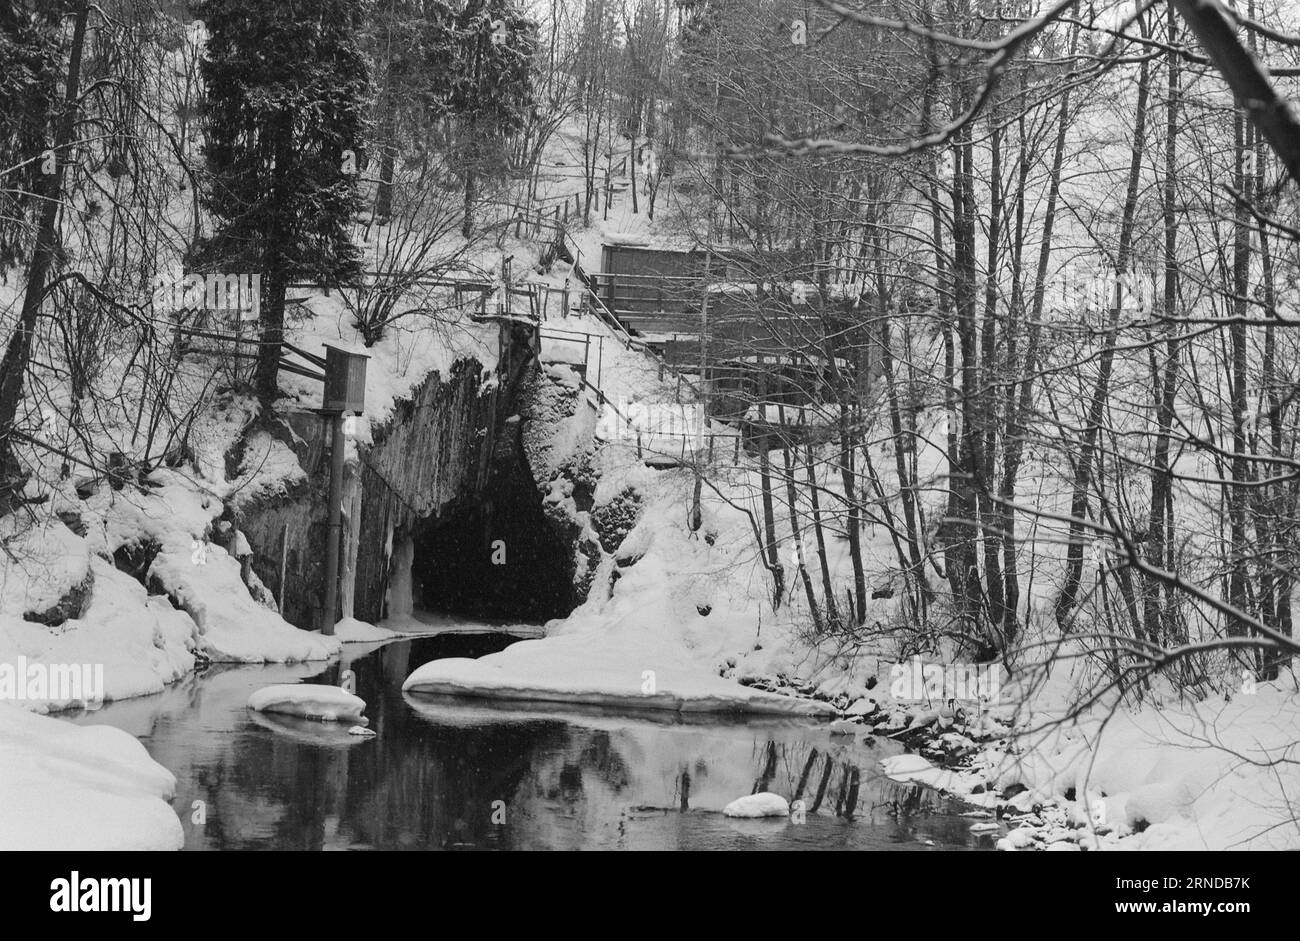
[345,380]
[345,391]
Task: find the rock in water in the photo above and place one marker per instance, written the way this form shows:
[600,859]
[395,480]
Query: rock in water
[766,804]
[310,701]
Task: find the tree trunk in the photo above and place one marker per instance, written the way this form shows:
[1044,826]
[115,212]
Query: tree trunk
[1065,604]
[828,588]
[770,551]
[13,368]
[467,224]
[796,533]
[1155,622]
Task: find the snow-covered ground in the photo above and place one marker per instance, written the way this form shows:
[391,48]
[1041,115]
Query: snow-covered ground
[352,631]
[64,787]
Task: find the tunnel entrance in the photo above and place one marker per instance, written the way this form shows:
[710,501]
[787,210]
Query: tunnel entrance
[498,559]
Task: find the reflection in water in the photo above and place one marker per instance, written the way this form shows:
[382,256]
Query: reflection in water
[478,774]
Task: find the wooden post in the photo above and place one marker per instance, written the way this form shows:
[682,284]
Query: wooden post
[335,524]
[284,564]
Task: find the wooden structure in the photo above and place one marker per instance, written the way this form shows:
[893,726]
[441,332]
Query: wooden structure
[771,349]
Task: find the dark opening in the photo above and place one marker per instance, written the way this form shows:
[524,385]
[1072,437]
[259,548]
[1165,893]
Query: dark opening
[500,559]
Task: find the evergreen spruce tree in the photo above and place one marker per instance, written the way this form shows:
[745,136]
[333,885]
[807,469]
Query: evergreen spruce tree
[30,70]
[286,86]
[491,87]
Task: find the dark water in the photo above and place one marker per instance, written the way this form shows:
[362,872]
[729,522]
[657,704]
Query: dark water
[472,774]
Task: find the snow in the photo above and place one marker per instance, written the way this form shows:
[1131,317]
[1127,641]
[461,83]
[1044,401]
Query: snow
[765,804]
[436,622]
[309,701]
[141,641]
[352,631]
[41,564]
[606,671]
[232,626]
[566,348]
[1214,775]
[269,468]
[411,349]
[66,787]
[913,769]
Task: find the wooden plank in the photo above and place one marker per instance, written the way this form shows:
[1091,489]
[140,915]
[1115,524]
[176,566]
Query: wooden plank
[301,371]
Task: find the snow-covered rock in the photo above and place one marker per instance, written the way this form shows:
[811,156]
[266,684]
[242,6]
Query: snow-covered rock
[765,804]
[861,707]
[310,701]
[1022,837]
[611,668]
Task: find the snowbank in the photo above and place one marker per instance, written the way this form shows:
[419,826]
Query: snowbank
[141,641]
[67,787]
[352,631]
[617,669]
[1215,775]
[232,626]
[310,701]
[913,769]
